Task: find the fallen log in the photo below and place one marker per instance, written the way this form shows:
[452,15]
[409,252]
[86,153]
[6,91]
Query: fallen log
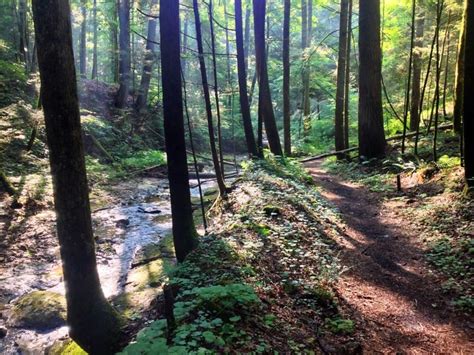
[353,149]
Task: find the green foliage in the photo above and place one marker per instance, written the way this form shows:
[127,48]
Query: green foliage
[144,159]
[12,82]
[340,326]
[455,258]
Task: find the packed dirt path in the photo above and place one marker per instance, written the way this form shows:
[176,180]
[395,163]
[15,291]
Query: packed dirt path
[388,289]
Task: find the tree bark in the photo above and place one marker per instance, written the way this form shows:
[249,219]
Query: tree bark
[94,53]
[124,57]
[459,85]
[184,232]
[207,99]
[82,46]
[265,99]
[306,105]
[416,86]
[371,132]
[468,104]
[347,92]
[216,86]
[410,64]
[242,74]
[286,78]
[149,59]
[341,77]
[247,37]
[115,44]
[23,29]
[93,324]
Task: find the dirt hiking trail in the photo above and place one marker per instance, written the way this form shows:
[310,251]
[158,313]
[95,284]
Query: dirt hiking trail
[389,290]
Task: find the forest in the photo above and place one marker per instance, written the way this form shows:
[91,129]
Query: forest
[236,176]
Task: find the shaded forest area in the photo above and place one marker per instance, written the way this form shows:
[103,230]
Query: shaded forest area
[247,176]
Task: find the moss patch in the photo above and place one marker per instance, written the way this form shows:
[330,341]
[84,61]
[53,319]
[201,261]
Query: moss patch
[39,310]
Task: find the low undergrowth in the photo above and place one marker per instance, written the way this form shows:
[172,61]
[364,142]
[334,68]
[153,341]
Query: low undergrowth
[262,279]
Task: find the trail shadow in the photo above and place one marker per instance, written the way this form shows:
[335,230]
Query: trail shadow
[381,251]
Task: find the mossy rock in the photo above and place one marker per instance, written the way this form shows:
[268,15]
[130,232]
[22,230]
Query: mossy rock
[39,310]
[66,347]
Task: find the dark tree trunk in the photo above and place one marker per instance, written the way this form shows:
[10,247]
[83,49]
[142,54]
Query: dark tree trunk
[371,133]
[207,99]
[82,46]
[115,44]
[446,66]
[94,325]
[244,99]
[286,79]
[149,59]
[410,64]
[416,87]
[439,7]
[341,77]
[347,79]
[124,57]
[23,29]
[306,105]
[468,105]
[304,24]
[184,62]
[184,232]
[265,99]
[94,53]
[216,87]
[459,85]
[247,37]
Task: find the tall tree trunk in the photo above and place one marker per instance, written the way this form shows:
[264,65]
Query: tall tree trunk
[459,85]
[307,72]
[184,61]
[247,37]
[446,66]
[149,59]
[83,42]
[244,99]
[304,24]
[94,53]
[372,141]
[347,92]
[93,324]
[265,98]
[184,232]
[286,78]
[207,99]
[114,41]
[23,29]
[216,87]
[439,8]
[427,76]
[410,62]
[124,57]
[468,105]
[341,77]
[416,86]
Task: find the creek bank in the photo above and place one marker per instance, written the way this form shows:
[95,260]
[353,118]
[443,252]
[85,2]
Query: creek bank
[131,223]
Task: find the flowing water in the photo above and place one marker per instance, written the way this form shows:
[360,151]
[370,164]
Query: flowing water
[142,218]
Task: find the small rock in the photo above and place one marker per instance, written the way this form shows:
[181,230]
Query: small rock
[150,210]
[3,332]
[122,223]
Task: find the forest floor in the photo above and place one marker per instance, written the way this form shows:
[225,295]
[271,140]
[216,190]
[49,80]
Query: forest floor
[397,300]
